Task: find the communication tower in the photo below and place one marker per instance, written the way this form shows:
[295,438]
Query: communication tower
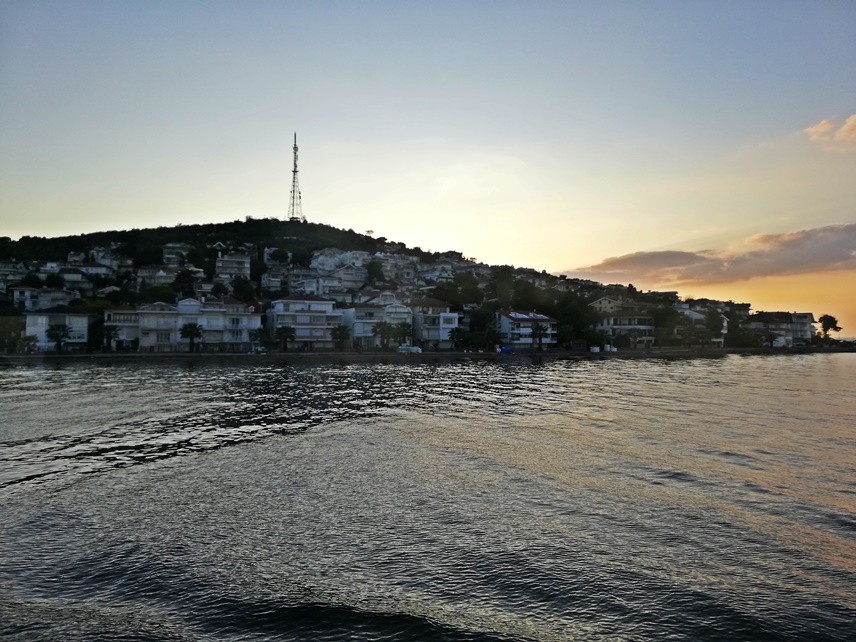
[295,208]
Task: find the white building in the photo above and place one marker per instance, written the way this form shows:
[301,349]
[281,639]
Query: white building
[40,298]
[11,272]
[126,321]
[312,319]
[783,329]
[517,329]
[699,318]
[433,323]
[175,254]
[77,322]
[226,325]
[152,275]
[233,265]
[327,260]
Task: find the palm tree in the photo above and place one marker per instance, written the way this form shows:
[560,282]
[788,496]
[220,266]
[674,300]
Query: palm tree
[191,331]
[459,338]
[341,334]
[58,333]
[538,332]
[284,334]
[385,331]
[111,333]
[828,323]
[404,331]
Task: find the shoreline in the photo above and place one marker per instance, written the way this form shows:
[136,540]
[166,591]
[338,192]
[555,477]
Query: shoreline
[345,358]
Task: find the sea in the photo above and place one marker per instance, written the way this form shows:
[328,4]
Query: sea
[697,499]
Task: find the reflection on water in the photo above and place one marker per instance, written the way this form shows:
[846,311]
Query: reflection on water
[701,499]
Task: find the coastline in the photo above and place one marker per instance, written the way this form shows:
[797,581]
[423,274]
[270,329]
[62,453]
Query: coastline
[346,358]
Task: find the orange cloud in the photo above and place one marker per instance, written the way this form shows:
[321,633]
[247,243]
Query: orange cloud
[833,137]
[821,249]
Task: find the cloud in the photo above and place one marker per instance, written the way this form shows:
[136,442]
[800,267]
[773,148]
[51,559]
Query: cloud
[833,137]
[847,133]
[816,250]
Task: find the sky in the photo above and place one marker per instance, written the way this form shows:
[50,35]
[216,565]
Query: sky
[698,146]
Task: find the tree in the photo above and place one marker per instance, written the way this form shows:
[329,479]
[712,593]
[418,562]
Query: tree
[828,323]
[54,281]
[404,331]
[374,271]
[460,338]
[219,290]
[183,283]
[280,255]
[191,331]
[31,280]
[713,321]
[111,332]
[58,333]
[243,290]
[341,334]
[385,331]
[283,335]
[538,333]
[667,320]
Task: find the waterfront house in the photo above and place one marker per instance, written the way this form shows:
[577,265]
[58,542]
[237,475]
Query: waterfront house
[311,317]
[517,329]
[783,329]
[226,325]
[39,321]
[433,323]
[126,321]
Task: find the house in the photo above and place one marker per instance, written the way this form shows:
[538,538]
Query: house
[225,323]
[624,318]
[698,317]
[518,329]
[327,260]
[351,277]
[97,269]
[106,256]
[39,321]
[361,318]
[233,265]
[433,323]
[76,279]
[11,271]
[637,325]
[175,254]
[783,329]
[126,321]
[40,298]
[607,304]
[311,317]
[153,275]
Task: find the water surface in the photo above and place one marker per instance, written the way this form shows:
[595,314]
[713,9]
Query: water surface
[685,500]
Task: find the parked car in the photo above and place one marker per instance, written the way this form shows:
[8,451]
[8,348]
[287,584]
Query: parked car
[409,350]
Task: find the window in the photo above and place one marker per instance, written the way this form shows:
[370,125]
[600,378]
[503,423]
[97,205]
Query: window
[163,337]
[235,322]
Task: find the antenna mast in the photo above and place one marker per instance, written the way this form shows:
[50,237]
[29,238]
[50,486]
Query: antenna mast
[295,208]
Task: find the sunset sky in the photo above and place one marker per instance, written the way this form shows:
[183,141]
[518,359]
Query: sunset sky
[704,147]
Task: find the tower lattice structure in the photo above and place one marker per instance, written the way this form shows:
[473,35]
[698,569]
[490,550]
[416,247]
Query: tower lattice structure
[295,208]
